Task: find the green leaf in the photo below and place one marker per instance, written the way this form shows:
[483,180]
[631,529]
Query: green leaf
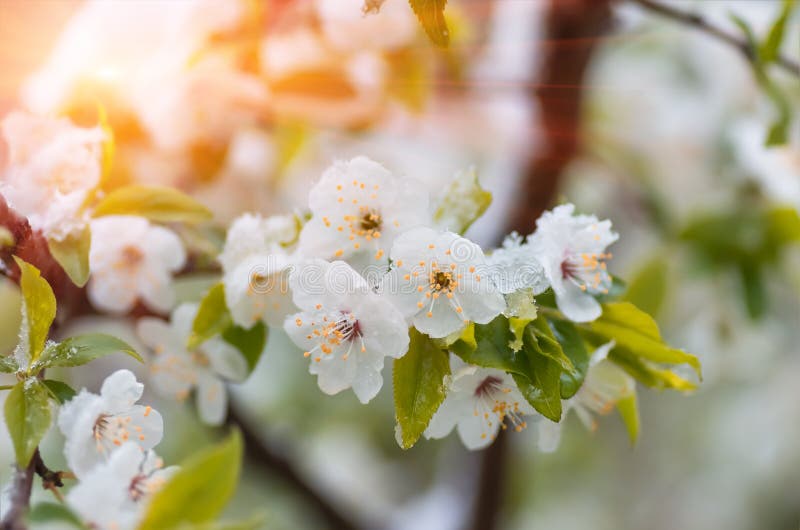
[490,346]
[635,330]
[212,318]
[542,388]
[51,515]
[38,312]
[753,290]
[250,342]
[72,253]
[548,345]
[431,15]
[28,416]
[200,489]
[575,348]
[648,287]
[8,365]
[782,227]
[81,349]
[61,392]
[419,387]
[647,373]
[157,203]
[518,326]
[771,47]
[628,408]
[464,202]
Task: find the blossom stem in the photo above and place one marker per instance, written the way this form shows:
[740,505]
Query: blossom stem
[697,22]
[19,497]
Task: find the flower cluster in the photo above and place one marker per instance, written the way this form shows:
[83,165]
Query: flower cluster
[370,263]
[109,447]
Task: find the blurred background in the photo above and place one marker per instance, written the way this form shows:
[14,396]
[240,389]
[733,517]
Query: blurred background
[631,115]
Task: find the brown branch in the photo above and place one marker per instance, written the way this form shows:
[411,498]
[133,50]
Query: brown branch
[278,466]
[19,498]
[699,23]
[574,28]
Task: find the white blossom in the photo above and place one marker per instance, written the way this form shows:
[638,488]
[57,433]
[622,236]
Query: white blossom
[479,402]
[604,386]
[51,167]
[515,266]
[572,250]
[130,260]
[113,496]
[439,282]
[255,263]
[359,207]
[344,327]
[96,425]
[176,371]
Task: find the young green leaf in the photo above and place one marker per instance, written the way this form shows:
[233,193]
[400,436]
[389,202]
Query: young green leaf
[636,331]
[431,15]
[419,387]
[212,318]
[61,392]
[575,348]
[72,253]
[38,313]
[548,345]
[157,203]
[771,47]
[50,515]
[199,491]
[490,346]
[542,388]
[463,203]
[647,373]
[8,365]
[249,342]
[629,411]
[81,349]
[28,415]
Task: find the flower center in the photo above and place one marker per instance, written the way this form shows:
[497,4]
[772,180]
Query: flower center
[587,270]
[200,358]
[492,403]
[132,255]
[343,328]
[488,386]
[441,280]
[138,488]
[371,220]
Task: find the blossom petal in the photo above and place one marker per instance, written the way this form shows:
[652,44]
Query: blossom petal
[211,398]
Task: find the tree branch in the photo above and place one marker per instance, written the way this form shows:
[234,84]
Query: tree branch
[574,28]
[279,466]
[701,24]
[19,497]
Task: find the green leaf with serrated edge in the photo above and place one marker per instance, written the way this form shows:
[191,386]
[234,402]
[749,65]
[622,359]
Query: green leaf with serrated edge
[250,342]
[635,330]
[61,392]
[647,373]
[575,348]
[157,203]
[72,253]
[212,318]
[647,288]
[28,415]
[548,345]
[628,408]
[431,15]
[771,47]
[81,349]
[419,387]
[463,202]
[38,313]
[51,515]
[199,490]
[8,365]
[488,346]
[542,388]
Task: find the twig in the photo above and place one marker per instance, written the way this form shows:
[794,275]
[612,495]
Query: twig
[698,22]
[19,498]
[574,28]
[278,466]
